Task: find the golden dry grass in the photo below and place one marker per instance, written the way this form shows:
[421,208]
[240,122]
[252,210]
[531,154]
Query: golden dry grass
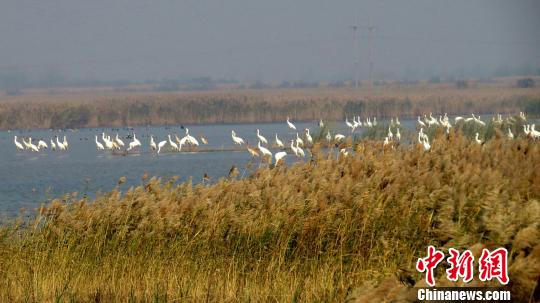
[326,230]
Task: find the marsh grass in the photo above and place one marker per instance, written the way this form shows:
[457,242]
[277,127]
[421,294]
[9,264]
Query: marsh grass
[97,108]
[314,231]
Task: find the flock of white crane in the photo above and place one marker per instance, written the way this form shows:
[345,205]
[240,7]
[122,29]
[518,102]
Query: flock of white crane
[528,129]
[297,144]
[28,145]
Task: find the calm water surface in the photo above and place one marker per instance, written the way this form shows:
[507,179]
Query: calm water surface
[29,179]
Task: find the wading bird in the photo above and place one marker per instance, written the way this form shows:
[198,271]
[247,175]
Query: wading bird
[299,140]
[153,143]
[119,141]
[42,144]
[291,126]
[309,139]
[278,142]
[477,139]
[510,135]
[99,146]
[18,144]
[421,123]
[339,137]
[261,137]
[279,155]
[236,140]
[300,150]
[135,143]
[172,144]
[264,150]
[60,145]
[160,145]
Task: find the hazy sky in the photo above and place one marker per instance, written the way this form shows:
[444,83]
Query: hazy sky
[264,40]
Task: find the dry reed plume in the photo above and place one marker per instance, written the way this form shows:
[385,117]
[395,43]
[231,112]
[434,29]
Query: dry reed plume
[314,231]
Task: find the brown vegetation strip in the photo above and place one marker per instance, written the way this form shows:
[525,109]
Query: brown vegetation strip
[87,109]
[325,230]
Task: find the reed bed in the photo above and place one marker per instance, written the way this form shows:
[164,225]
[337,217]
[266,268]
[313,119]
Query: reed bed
[330,229]
[99,109]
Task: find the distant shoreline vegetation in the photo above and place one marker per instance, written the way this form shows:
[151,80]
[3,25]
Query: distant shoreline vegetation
[81,108]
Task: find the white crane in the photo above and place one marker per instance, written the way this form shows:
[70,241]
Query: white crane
[510,135]
[294,149]
[359,121]
[279,155]
[261,137]
[172,144]
[108,143]
[368,122]
[349,124]
[339,137]
[309,139]
[42,144]
[300,150]
[60,145]
[385,142]
[477,139]
[18,144]
[279,143]
[66,145]
[26,145]
[264,150]
[425,143]
[236,139]
[299,140]
[32,147]
[291,126]
[153,143]
[421,123]
[135,143]
[160,145]
[398,135]
[390,134]
[189,139]
[99,146]
[534,133]
[356,124]
[525,130]
[119,141]
[53,146]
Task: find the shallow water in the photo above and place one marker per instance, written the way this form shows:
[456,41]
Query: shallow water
[29,179]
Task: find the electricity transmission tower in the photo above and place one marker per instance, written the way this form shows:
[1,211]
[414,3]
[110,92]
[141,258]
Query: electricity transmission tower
[370,28]
[355,53]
